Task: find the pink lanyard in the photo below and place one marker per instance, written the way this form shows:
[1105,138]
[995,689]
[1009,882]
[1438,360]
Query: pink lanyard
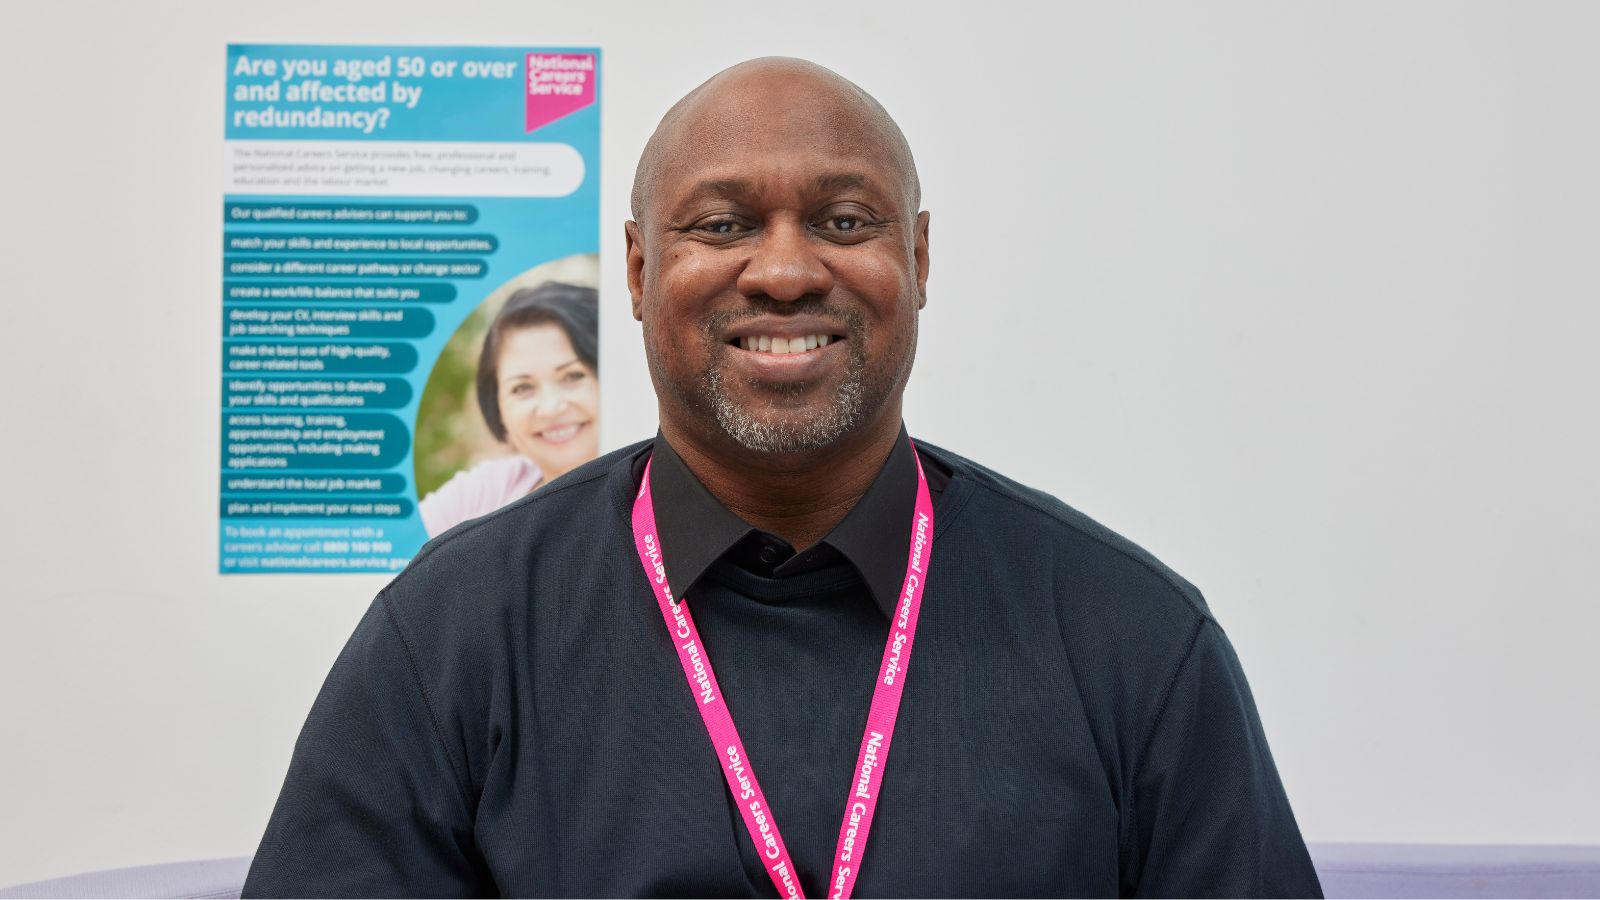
[862,799]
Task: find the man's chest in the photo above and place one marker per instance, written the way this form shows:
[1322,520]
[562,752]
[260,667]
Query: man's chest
[994,784]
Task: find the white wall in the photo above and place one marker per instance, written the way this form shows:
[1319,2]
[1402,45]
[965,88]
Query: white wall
[1299,297]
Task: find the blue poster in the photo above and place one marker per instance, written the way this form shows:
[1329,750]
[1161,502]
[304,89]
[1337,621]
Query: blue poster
[409,330]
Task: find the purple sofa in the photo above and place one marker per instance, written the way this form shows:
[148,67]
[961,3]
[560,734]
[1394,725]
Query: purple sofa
[1347,870]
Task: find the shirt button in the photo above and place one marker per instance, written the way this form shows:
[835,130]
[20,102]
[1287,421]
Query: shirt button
[768,554]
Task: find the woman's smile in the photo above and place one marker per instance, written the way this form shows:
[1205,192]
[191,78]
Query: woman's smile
[562,433]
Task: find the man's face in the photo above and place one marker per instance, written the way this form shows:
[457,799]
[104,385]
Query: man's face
[778,268]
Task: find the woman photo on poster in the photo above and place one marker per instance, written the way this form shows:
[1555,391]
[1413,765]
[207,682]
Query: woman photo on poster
[537,390]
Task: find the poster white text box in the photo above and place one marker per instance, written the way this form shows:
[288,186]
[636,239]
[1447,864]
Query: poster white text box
[401,168]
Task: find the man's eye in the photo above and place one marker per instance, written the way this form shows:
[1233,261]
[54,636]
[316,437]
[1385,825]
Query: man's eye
[723,227]
[845,224]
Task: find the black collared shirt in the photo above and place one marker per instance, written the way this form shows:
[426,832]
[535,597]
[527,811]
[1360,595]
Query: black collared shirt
[510,716]
[873,538]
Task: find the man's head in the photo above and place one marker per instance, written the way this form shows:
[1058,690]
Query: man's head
[777,204]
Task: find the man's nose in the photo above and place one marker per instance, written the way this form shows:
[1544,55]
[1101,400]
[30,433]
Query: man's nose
[785,265]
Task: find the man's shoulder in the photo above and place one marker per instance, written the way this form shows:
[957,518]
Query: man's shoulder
[1091,549]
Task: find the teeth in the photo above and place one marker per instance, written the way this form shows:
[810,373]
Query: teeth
[767,344]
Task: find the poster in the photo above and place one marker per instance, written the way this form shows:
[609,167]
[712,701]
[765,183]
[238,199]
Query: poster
[409,338]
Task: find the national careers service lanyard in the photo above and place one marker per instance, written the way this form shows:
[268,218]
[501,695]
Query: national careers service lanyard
[862,798]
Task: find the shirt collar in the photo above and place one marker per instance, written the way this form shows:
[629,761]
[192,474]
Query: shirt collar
[875,536]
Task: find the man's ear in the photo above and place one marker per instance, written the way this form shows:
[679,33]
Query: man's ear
[635,241]
[920,248]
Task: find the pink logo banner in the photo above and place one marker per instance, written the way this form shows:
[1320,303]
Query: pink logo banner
[559,84]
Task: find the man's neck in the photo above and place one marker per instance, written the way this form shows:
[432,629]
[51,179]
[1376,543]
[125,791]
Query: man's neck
[796,496]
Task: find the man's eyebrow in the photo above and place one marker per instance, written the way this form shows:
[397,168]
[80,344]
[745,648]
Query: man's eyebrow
[720,187]
[738,188]
[838,181]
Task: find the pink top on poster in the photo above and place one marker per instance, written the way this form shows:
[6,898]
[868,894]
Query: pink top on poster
[478,491]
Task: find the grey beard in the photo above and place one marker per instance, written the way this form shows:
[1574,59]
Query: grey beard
[799,434]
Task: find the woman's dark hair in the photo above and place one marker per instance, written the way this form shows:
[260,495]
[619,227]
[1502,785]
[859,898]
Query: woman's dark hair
[575,309]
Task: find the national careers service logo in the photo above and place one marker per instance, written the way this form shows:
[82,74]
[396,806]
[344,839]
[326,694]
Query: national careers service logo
[558,84]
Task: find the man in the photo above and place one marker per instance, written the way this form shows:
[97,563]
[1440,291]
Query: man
[531,709]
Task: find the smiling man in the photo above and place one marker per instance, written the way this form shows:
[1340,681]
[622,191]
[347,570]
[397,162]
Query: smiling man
[781,648]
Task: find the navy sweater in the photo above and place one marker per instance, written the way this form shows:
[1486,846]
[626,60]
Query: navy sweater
[510,718]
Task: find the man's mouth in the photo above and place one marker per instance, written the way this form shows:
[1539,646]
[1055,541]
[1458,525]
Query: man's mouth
[561,434]
[778,344]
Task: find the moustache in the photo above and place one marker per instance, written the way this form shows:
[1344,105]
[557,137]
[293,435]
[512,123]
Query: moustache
[849,321]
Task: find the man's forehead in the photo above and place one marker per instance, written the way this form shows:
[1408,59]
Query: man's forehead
[760,115]
[750,120]
[776,96]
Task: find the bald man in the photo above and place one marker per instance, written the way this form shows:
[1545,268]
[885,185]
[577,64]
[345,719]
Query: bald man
[782,648]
